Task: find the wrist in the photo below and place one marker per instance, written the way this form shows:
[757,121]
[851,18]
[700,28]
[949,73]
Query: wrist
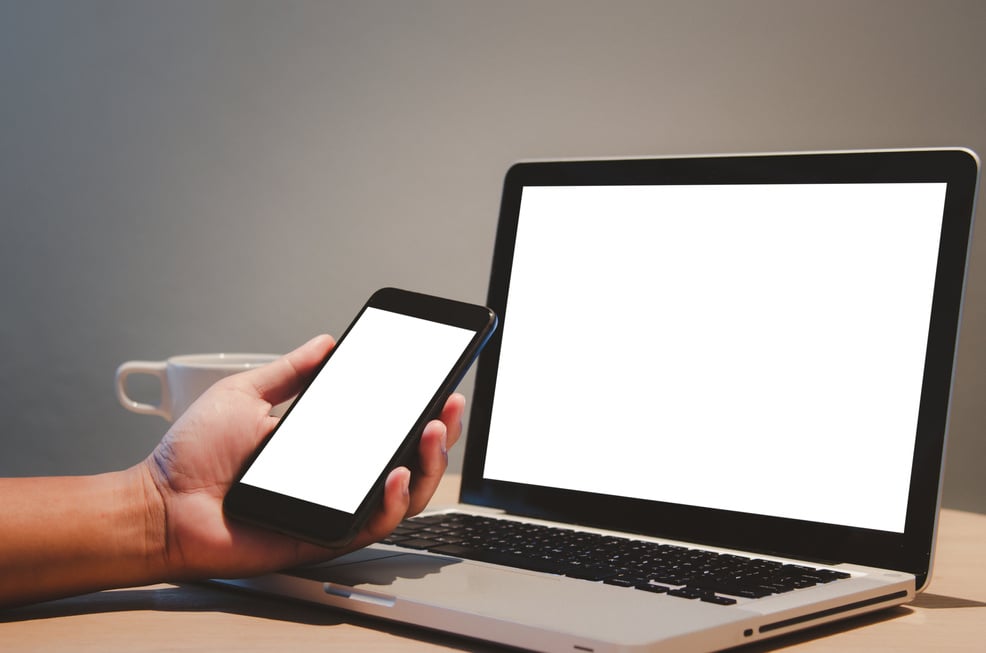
[151,519]
[75,534]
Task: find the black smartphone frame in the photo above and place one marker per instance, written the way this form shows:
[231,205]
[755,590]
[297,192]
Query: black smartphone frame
[330,527]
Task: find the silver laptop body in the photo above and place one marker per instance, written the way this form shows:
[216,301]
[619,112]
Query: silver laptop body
[748,354]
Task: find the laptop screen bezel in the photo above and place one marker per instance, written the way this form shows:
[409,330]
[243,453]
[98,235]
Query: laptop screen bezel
[910,551]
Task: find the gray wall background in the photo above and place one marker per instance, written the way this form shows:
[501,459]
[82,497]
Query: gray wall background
[217,175]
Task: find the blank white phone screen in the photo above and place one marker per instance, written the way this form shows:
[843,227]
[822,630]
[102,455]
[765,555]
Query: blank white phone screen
[340,435]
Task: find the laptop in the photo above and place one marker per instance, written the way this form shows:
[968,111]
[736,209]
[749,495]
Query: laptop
[715,410]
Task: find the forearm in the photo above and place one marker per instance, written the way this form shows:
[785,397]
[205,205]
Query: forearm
[68,535]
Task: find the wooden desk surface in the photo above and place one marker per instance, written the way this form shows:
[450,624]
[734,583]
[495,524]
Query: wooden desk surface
[949,616]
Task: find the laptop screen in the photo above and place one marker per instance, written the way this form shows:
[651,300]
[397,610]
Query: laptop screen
[708,344]
[752,351]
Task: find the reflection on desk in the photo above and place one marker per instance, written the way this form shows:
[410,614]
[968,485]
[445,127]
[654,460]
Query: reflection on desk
[950,615]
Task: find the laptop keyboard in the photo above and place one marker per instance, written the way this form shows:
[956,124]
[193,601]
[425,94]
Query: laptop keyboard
[663,568]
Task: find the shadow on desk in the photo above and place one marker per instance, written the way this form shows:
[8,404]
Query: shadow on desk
[939,602]
[187,598]
[203,598]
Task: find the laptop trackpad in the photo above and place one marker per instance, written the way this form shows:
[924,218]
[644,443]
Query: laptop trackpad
[379,567]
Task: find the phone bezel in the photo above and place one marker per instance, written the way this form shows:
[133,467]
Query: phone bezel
[327,526]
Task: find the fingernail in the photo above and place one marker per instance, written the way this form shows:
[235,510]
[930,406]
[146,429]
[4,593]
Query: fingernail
[444,443]
[406,486]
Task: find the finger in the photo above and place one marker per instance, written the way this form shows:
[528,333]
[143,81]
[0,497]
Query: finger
[284,378]
[392,510]
[436,439]
[432,462]
[452,417]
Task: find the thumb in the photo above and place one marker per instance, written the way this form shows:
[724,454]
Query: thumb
[283,378]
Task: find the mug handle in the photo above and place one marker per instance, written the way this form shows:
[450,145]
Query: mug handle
[153,368]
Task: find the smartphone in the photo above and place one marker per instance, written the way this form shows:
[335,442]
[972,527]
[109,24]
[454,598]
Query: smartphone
[320,473]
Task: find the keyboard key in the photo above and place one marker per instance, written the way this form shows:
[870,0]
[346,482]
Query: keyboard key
[590,573]
[620,581]
[718,600]
[689,592]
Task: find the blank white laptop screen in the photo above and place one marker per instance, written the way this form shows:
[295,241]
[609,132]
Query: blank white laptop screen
[739,339]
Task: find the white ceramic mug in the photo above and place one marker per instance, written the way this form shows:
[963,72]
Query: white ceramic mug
[183,379]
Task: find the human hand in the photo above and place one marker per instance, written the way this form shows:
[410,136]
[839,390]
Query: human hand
[200,456]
